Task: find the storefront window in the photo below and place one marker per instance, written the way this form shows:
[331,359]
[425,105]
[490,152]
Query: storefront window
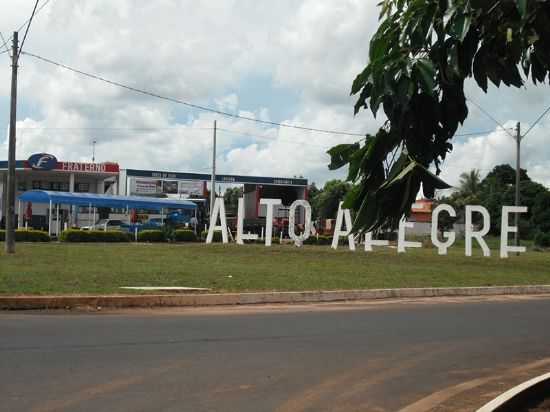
[82,187]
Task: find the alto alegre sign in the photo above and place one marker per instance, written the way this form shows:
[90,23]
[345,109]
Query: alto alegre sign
[344,224]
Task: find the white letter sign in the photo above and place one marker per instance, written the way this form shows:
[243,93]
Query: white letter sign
[269,217]
[343,215]
[505,229]
[450,236]
[402,244]
[298,240]
[470,233]
[219,209]
[240,223]
[369,242]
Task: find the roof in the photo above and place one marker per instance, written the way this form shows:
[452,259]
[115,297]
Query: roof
[97,200]
[279,181]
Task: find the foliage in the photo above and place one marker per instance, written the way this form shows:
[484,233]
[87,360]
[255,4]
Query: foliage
[168,232]
[318,240]
[542,239]
[22,235]
[419,59]
[217,237]
[152,236]
[75,235]
[505,174]
[470,183]
[313,195]
[325,203]
[498,196]
[540,218]
[498,189]
[185,235]
[231,199]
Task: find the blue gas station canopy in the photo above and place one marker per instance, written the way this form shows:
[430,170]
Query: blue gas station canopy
[111,201]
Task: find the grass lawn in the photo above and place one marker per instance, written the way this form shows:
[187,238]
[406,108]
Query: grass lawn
[59,268]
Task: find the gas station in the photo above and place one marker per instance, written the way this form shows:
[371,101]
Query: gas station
[44,172]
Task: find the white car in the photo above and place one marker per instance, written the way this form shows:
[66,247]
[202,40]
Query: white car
[105,224]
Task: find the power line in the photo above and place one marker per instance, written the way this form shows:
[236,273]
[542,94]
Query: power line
[24,23]
[116,128]
[188,104]
[28,27]
[5,45]
[35,14]
[271,139]
[473,133]
[486,113]
[536,121]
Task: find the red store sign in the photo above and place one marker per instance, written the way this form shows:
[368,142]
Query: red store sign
[87,167]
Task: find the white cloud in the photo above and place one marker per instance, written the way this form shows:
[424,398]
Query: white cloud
[202,52]
[499,147]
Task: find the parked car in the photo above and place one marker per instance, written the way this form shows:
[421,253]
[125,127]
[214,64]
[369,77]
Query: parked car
[155,223]
[105,224]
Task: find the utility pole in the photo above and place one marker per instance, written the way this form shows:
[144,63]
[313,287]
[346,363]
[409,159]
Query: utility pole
[213,177]
[10,215]
[516,217]
[93,151]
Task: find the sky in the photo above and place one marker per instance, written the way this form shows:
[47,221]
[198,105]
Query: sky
[286,61]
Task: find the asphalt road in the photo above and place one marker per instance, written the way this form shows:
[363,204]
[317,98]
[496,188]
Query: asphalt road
[444,355]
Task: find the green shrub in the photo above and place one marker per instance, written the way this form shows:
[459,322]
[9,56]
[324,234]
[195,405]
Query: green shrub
[312,240]
[185,235]
[151,236]
[22,235]
[325,240]
[542,239]
[73,235]
[216,238]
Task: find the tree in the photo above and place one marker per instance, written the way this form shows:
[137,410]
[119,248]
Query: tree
[541,212]
[231,198]
[330,197]
[419,59]
[313,195]
[498,189]
[505,175]
[470,183]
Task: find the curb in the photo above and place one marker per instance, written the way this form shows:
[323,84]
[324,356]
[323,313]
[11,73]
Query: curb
[512,399]
[252,298]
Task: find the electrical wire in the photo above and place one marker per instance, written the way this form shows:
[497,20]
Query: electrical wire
[116,128]
[486,113]
[35,14]
[473,133]
[5,43]
[188,104]
[536,121]
[24,23]
[277,139]
[28,27]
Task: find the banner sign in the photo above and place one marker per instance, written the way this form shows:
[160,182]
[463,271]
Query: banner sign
[46,162]
[191,188]
[184,188]
[146,187]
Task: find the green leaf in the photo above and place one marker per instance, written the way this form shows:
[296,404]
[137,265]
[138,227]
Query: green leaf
[522,7]
[461,26]
[424,72]
[340,155]
[360,80]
